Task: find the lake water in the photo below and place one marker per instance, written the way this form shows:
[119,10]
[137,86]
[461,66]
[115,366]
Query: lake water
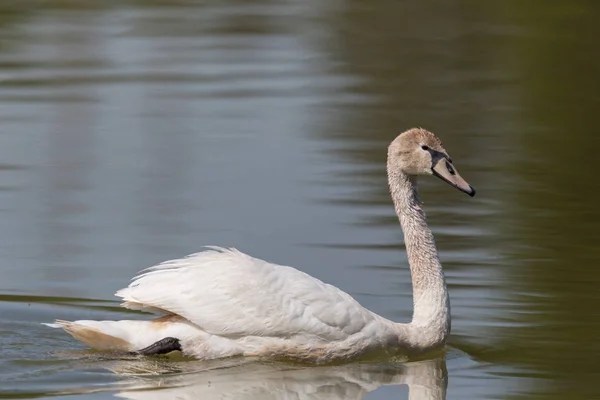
[136,132]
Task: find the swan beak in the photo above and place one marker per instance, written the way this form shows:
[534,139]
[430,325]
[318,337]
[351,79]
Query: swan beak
[444,170]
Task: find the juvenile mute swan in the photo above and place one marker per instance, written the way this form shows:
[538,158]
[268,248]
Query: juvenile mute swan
[221,302]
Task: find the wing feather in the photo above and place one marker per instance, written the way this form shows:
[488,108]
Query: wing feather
[228,293]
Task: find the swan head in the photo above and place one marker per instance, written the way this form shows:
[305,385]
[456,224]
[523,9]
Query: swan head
[419,152]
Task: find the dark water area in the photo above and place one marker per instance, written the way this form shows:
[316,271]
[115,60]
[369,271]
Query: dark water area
[134,132]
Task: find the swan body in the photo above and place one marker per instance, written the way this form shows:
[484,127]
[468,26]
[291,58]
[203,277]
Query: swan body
[222,303]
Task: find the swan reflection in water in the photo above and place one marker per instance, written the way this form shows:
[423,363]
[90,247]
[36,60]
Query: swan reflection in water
[149,380]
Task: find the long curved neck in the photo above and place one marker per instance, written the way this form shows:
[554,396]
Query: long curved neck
[430,325]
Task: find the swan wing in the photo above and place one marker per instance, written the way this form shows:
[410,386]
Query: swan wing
[228,293]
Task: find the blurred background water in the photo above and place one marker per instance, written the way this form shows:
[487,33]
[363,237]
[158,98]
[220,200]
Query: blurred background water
[132,132]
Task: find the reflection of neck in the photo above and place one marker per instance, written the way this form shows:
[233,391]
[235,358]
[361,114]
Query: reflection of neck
[427,380]
[431,316]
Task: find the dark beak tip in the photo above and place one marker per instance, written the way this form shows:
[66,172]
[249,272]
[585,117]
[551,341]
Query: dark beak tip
[472,192]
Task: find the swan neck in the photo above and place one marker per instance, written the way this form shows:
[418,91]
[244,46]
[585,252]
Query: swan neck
[431,315]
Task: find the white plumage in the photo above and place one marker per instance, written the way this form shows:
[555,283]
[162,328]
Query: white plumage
[221,302]
[228,293]
[244,305]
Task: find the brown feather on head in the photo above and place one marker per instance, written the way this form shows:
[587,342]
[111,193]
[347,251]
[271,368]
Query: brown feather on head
[418,151]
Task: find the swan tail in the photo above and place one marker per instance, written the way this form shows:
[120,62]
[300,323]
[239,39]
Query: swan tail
[99,335]
[144,337]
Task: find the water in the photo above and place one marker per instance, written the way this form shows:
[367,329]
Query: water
[135,132]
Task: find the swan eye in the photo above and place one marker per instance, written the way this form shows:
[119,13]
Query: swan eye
[450,169]
[425,147]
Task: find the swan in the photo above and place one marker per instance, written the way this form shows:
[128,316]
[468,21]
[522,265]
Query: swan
[222,303]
